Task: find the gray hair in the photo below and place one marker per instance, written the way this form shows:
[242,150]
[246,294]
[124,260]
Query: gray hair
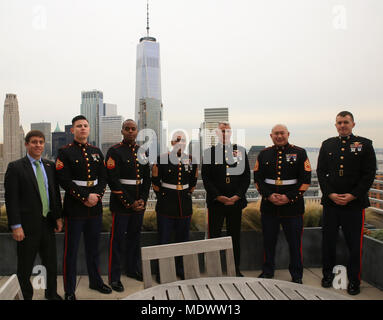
[279,125]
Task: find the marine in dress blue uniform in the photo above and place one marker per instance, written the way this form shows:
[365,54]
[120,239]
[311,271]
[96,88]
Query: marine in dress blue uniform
[81,173]
[129,181]
[226,178]
[346,170]
[282,174]
[174,178]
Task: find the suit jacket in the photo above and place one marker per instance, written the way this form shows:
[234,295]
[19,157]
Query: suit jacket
[22,196]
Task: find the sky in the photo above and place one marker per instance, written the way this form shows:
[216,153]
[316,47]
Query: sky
[297,62]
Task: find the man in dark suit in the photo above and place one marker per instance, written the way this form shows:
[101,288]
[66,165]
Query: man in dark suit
[32,199]
[226,178]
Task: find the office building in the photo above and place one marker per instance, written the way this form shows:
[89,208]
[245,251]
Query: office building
[92,107]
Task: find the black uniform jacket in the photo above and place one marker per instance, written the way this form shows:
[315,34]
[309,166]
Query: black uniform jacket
[170,202]
[280,164]
[225,172]
[81,162]
[124,161]
[346,165]
[22,196]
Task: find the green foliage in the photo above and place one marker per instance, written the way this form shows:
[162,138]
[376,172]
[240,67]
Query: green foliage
[313,215]
[3,220]
[377,234]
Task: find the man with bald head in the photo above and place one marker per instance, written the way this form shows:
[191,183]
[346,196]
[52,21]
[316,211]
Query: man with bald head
[129,182]
[282,173]
[174,178]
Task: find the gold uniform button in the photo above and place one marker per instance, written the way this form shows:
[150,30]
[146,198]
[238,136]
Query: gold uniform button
[89,176]
[279,161]
[280,152]
[341,157]
[342,149]
[343,141]
[279,173]
[279,178]
[228,174]
[88,170]
[279,167]
[341,166]
[280,157]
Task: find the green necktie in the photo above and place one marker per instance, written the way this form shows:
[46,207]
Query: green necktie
[42,189]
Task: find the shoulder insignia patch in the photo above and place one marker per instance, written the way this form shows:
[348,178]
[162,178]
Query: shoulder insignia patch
[307,165]
[256,167]
[111,164]
[59,164]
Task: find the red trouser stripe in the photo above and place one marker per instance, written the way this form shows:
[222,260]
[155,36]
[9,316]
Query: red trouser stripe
[111,248]
[301,240]
[361,245]
[65,252]
[208,229]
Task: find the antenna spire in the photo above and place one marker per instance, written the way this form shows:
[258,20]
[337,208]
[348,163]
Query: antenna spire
[147,18]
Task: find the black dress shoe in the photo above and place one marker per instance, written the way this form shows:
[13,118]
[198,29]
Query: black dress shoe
[181,275]
[54,296]
[71,296]
[135,275]
[265,276]
[353,288]
[102,288]
[297,280]
[327,281]
[117,286]
[238,274]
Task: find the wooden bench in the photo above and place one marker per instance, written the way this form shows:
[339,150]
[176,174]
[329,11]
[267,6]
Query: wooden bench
[189,251]
[11,289]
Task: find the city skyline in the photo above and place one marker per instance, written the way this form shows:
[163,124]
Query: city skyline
[296,62]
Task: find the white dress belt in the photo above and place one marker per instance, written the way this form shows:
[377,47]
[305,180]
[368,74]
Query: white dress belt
[131,182]
[90,183]
[281,182]
[175,186]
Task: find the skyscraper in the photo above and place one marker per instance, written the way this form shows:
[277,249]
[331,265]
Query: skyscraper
[45,127]
[148,105]
[110,127]
[58,140]
[92,107]
[13,138]
[212,116]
